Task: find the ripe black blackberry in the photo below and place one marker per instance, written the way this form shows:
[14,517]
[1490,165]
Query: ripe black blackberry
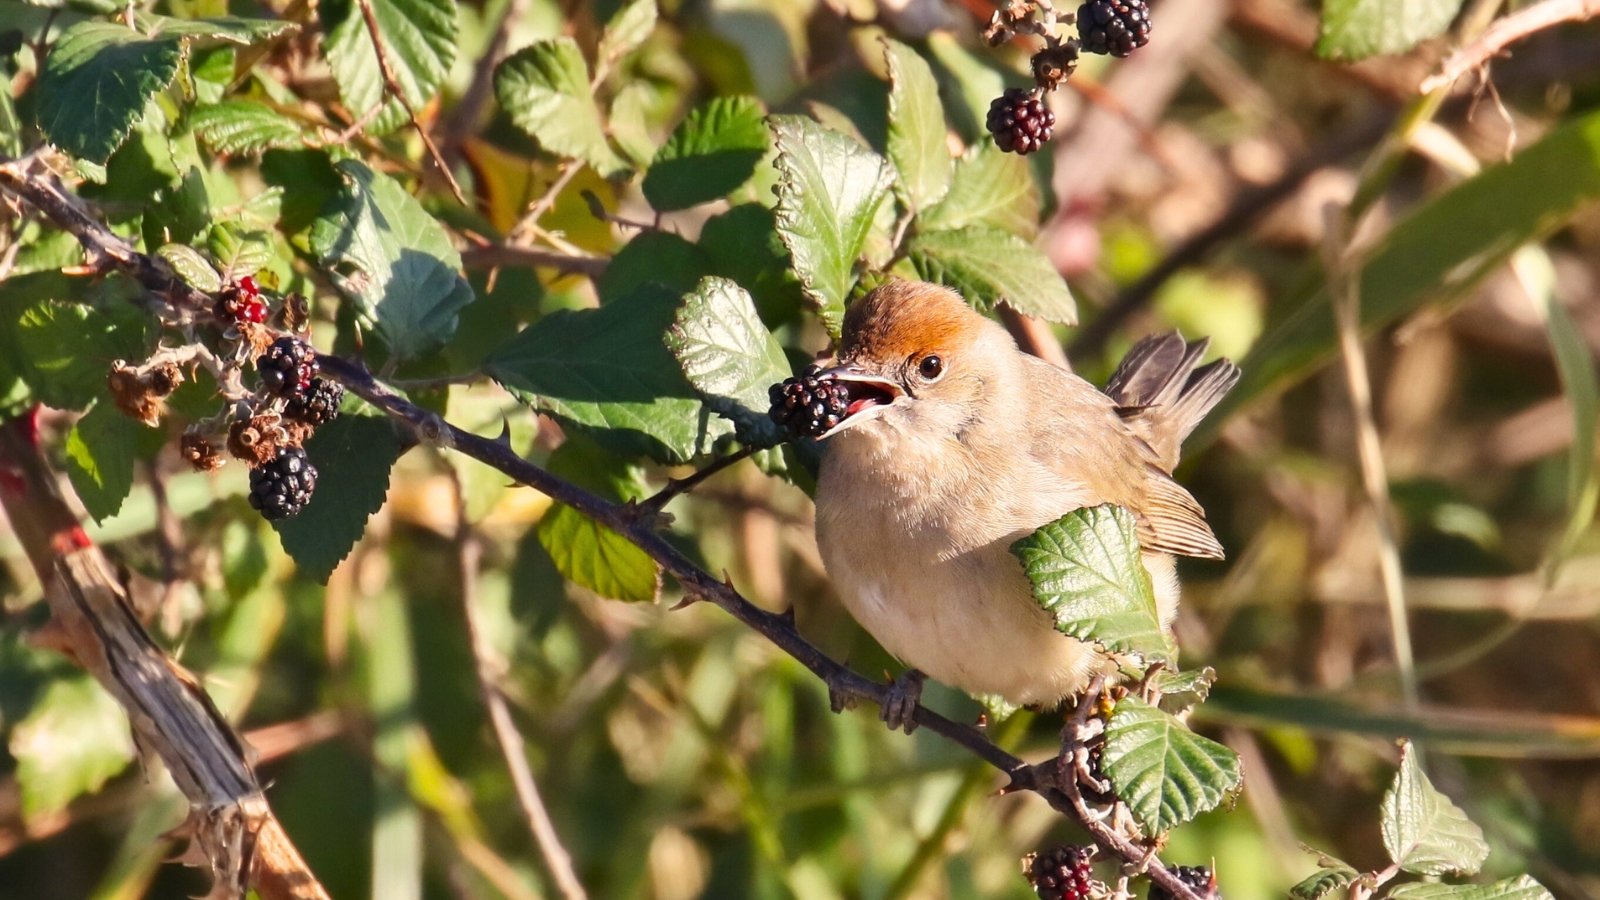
[808,405]
[279,489]
[1117,27]
[1198,878]
[288,366]
[1063,873]
[1019,121]
[318,404]
[241,303]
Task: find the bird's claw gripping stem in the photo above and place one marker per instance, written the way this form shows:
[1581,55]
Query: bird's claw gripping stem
[899,708]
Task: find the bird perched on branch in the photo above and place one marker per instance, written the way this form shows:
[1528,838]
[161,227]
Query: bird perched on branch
[953,443]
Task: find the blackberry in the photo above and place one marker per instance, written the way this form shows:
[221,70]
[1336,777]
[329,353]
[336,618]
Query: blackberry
[808,405]
[1198,878]
[241,303]
[281,488]
[318,404]
[1117,27]
[1019,121]
[1062,874]
[288,366]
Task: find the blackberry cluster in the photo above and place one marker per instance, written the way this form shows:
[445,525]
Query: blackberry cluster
[1117,27]
[808,404]
[1198,878]
[281,488]
[1019,121]
[1063,873]
[288,366]
[241,303]
[316,405]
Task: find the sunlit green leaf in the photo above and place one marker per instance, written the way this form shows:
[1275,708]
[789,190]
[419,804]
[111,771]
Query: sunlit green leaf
[1164,772]
[419,43]
[1325,882]
[101,450]
[917,144]
[95,84]
[1356,29]
[244,126]
[712,151]
[988,187]
[1520,888]
[1422,830]
[627,29]
[730,357]
[544,87]
[989,266]
[73,741]
[585,552]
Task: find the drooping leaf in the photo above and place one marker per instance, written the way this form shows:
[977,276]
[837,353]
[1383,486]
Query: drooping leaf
[627,29]
[191,266]
[989,187]
[74,740]
[1523,887]
[1422,830]
[1164,772]
[96,82]
[917,129]
[988,265]
[829,191]
[101,450]
[730,357]
[607,372]
[712,151]
[585,552]
[392,259]
[544,87]
[1086,572]
[353,456]
[1181,691]
[419,42]
[1326,882]
[244,126]
[1357,29]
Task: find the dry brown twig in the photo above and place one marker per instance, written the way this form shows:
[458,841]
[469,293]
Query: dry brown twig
[1504,32]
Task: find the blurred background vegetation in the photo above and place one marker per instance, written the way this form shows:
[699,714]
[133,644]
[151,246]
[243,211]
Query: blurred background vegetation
[681,755]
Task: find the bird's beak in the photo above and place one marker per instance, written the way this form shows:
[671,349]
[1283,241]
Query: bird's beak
[869,394]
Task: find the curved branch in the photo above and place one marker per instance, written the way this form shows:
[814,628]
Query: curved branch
[1503,33]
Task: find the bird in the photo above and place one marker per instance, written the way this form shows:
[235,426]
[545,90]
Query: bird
[953,444]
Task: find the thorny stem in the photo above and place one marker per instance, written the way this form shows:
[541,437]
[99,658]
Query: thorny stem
[70,214]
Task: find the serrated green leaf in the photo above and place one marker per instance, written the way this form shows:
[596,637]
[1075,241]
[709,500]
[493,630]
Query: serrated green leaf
[829,190]
[1087,573]
[101,449]
[1324,883]
[1423,831]
[394,260]
[244,126]
[96,82]
[607,372]
[627,29]
[1164,772]
[1357,29]
[917,144]
[1521,888]
[989,187]
[712,151]
[75,739]
[238,252]
[1182,690]
[419,41]
[228,29]
[730,357]
[744,245]
[589,554]
[653,257]
[988,265]
[630,129]
[191,266]
[353,456]
[970,83]
[544,87]
[62,350]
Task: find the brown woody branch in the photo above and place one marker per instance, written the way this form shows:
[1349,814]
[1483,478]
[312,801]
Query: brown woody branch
[1505,32]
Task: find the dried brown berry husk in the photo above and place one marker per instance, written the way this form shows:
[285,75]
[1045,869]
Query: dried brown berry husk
[1053,65]
[199,452]
[258,439]
[141,392]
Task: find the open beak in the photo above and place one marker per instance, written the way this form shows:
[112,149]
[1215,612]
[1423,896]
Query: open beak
[869,395]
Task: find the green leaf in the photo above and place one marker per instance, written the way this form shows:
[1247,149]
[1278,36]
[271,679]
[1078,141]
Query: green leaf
[630,128]
[353,456]
[744,246]
[238,252]
[989,187]
[627,29]
[712,151]
[224,29]
[1423,831]
[544,87]
[419,41]
[394,260]
[1521,888]
[1436,254]
[917,144]
[62,350]
[1325,882]
[829,189]
[730,357]
[1357,29]
[96,82]
[244,126]
[988,265]
[101,449]
[1582,388]
[1164,772]
[653,257]
[1086,572]
[191,266]
[74,740]
[608,373]
[1180,691]
[589,554]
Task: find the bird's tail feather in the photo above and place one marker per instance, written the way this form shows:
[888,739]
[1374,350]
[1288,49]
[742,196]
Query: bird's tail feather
[1159,388]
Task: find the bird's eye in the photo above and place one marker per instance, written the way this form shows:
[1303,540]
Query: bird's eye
[931,367]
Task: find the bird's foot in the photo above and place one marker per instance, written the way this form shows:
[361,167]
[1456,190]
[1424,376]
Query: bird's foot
[841,694]
[899,709]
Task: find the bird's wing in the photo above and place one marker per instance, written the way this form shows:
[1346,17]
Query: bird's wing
[1161,394]
[1171,520]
